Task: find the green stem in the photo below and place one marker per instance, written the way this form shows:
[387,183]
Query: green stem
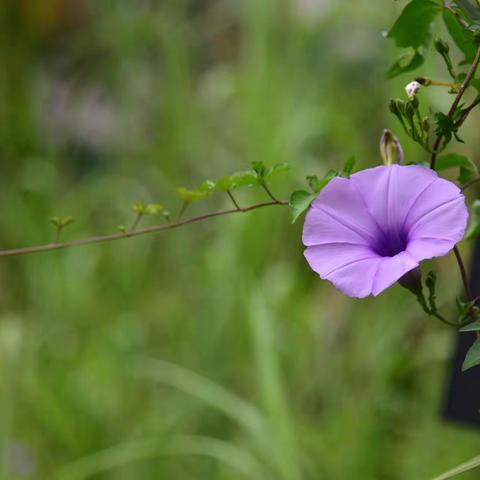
[456,102]
[232,198]
[141,231]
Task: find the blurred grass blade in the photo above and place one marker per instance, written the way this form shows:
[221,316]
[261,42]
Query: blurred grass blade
[465,467]
[136,451]
[272,391]
[205,390]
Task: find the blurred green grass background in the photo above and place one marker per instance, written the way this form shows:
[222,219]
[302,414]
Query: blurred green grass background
[209,352]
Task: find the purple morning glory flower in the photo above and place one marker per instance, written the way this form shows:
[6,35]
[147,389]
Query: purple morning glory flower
[365,232]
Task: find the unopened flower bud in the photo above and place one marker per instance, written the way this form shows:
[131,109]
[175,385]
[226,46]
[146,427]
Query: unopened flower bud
[410,110]
[412,280]
[425,124]
[424,81]
[390,148]
[412,89]
[440,46]
[397,106]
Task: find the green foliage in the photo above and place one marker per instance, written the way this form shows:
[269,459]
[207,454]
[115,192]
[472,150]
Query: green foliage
[141,208]
[68,343]
[444,50]
[317,184]
[256,176]
[446,128]
[467,168]
[300,200]
[347,169]
[62,222]
[473,229]
[471,327]
[191,195]
[467,311]
[413,26]
[263,172]
[406,62]
[470,9]
[463,38]
[472,359]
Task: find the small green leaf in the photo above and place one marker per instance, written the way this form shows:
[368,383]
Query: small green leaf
[462,37]
[208,185]
[260,169]
[474,224]
[412,28]
[326,178]
[247,178]
[348,167]
[467,169]
[299,202]
[220,185]
[406,62]
[191,195]
[67,221]
[472,327]
[317,184]
[153,209]
[166,215]
[277,168]
[139,208]
[61,222]
[445,127]
[472,358]
[466,310]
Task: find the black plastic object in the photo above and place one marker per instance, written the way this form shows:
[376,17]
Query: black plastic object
[462,401]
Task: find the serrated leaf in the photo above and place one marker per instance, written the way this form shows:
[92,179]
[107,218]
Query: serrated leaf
[474,224]
[472,327]
[299,202]
[406,62]
[472,358]
[412,28]
[462,37]
[467,169]
[445,127]
[191,195]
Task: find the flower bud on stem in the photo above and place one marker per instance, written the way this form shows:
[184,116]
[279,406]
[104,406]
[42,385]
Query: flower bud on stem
[390,148]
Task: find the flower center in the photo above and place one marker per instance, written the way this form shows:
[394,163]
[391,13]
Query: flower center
[391,243]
